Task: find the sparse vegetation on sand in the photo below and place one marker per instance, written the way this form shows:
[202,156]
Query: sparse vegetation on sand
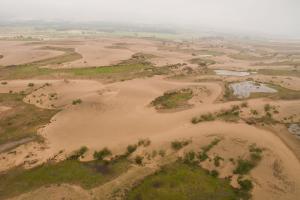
[202,155]
[76,101]
[100,155]
[202,62]
[178,181]
[78,153]
[86,174]
[230,115]
[279,72]
[23,120]
[173,99]
[244,166]
[132,68]
[176,145]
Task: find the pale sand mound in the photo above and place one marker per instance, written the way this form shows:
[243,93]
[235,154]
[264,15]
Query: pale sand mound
[16,53]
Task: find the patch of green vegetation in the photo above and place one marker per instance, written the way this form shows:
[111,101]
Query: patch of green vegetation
[22,120]
[279,72]
[180,181]
[202,62]
[78,153]
[217,160]
[203,118]
[244,166]
[77,101]
[230,115]
[176,145]
[131,149]
[100,155]
[174,99]
[138,160]
[85,174]
[247,56]
[135,67]
[202,155]
[282,93]
[144,142]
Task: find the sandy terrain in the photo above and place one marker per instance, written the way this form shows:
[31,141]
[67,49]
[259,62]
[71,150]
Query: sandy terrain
[16,53]
[117,114]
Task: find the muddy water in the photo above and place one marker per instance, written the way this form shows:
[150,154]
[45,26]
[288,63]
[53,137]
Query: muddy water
[244,89]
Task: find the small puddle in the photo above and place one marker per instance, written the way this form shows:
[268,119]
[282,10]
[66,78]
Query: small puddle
[222,72]
[295,129]
[244,89]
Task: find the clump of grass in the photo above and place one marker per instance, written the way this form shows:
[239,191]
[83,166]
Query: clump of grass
[189,157]
[231,115]
[267,107]
[138,160]
[245,166]
[214,173]
[144,142]
[78,153]
[202,118]
[30,84]
[254,112]
[244,104]
[174,99]
[131,149]
[76,101]
[177,145]
[162,153]
[3,83]
[217,160]
[202,155]
[100,155]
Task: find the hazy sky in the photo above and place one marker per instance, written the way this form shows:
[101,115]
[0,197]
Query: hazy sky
[280,17]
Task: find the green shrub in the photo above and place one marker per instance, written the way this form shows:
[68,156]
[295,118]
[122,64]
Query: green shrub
[30,84]
[131,149]
[144,142]
[100,155]
[77,101]
[267,107]
[162,153]
[214,173]
[78,153]
[217,161]
[138,160]
[246,185]
[243,166]
[176,145]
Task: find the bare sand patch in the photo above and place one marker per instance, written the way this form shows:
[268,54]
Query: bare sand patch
[16,53]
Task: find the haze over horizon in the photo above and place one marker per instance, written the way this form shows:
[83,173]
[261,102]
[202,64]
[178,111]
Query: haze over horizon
[271,17]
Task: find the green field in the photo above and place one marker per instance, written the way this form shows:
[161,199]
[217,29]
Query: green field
[174,99]
[22,120]
[87,175]
[179,181]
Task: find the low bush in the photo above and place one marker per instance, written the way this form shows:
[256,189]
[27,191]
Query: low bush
[100,155]
[131,149]
[138,160]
